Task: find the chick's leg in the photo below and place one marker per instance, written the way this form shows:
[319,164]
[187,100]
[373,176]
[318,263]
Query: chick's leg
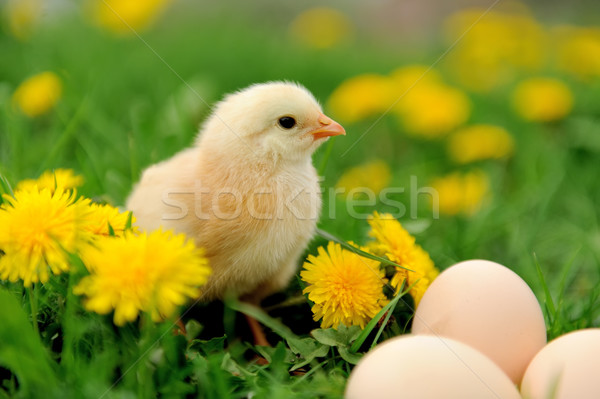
[276,283]
[257,332]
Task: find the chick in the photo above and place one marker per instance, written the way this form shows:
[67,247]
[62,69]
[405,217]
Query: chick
[246,191]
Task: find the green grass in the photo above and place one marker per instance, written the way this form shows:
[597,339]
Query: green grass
[123,109]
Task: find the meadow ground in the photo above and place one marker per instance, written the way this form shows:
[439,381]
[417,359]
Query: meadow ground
[496,111]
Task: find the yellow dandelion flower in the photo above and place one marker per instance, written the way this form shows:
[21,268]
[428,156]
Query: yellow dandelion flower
[361,97]
[38,94]
[477,142]
[461,193]
[373,176]
[496,47]
[120,16]
[103,215]
[578,51]
[321,27]
[431,110]
[395,243]
[63,179]
[345,287]
[155,273]
[22,17]
[38,230]
[542,100]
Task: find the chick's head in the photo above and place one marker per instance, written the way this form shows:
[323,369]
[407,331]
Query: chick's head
[274,120]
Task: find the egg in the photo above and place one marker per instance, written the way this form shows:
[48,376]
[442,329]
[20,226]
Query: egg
[487,306]
[420,366]
[567,367]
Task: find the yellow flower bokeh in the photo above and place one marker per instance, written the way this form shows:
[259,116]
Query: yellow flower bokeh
[478,142]
[38,231]
[494,46]
[374,176]
[361,97]
[431,110]
[416,94]
[22,16]
[121,16]
[395,243]
[321,27]
[542,99]
[150,272]
[38,94]
[578,50]
[461,193]
[345,287]
[61,179]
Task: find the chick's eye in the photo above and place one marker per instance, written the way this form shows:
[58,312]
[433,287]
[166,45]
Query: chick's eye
[287,122]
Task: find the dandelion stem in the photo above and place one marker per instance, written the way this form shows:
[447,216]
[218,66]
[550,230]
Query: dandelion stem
[34,308]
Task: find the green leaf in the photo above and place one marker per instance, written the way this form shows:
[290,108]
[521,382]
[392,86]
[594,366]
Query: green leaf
[230,365]
[22,352]
[192,329]
[359,251]
[343,336]
[206,347]
[111,231]
[309,353]
[267,353]
[349,356]
[129,222]
[280,356]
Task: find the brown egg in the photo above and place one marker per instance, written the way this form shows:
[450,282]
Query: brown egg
[420,366]
[568,367]
[486,306]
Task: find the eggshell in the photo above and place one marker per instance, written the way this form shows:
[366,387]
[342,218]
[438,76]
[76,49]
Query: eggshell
[487,306]
[420,366]
[568,367]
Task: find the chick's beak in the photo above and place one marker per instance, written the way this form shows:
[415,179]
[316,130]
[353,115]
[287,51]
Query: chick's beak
[328,127]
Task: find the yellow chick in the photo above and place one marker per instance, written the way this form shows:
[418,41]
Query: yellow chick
[246,191]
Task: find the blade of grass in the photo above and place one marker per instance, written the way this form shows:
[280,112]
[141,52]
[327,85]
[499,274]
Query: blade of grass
[548,297]
[358,251]
[371,325]
[312,370]
[563,279]
[5,187]
[390,311]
